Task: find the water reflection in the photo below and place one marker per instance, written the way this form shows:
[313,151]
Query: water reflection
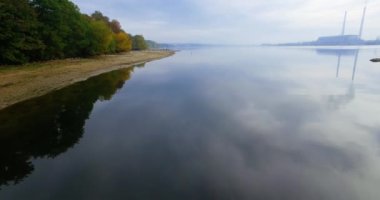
[339,53]
[230,123]
[336,101]
[48,126]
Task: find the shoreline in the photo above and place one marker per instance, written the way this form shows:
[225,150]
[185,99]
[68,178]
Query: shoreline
[24,82]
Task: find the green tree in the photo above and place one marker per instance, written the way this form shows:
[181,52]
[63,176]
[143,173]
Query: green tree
[52,29]
[103,38]
[138,43]
[61,28]
[18,32]
[104,34]
[85,36]
[97,15]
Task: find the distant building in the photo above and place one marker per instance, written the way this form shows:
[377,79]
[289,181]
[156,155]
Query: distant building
[342,39]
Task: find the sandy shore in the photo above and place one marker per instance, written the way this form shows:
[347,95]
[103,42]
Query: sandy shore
[21,83]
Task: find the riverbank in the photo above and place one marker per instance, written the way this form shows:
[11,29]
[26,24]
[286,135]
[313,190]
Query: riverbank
[36,79]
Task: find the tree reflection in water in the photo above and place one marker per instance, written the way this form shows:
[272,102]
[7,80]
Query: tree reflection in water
[48,126]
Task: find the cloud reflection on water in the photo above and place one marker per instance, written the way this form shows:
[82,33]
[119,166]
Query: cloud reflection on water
[202,125]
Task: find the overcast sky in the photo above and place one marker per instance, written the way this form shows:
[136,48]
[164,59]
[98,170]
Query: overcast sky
[237,21]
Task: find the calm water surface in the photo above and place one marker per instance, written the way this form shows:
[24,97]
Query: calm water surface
[218,123]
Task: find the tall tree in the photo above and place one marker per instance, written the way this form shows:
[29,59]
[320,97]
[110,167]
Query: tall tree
[115,26]
[97,15]
[52,29]
[18,32]
[60,29]
[102,37]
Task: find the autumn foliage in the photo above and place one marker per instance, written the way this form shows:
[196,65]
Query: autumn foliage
[33,30]
[123,42]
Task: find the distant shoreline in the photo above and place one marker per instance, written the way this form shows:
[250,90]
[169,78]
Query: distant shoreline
[18,84]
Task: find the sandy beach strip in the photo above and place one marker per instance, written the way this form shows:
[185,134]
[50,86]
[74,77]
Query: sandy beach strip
[36,79]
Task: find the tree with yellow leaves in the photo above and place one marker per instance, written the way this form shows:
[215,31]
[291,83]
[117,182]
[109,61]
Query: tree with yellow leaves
[123,42]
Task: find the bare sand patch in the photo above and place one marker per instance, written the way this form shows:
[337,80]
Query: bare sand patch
[24,82]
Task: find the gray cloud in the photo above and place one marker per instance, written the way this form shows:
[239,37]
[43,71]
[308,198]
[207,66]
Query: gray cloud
[237,22]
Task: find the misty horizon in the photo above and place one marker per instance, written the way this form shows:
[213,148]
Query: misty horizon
[240,22]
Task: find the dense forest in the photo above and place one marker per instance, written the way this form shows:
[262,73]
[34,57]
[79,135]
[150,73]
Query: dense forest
[35,30]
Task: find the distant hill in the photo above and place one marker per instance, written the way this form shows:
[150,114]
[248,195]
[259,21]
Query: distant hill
[152,44]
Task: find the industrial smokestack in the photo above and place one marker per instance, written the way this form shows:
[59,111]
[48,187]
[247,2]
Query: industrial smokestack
[344,23]
[362,24]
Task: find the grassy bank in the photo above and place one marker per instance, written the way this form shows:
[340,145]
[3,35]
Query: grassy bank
[21,83]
